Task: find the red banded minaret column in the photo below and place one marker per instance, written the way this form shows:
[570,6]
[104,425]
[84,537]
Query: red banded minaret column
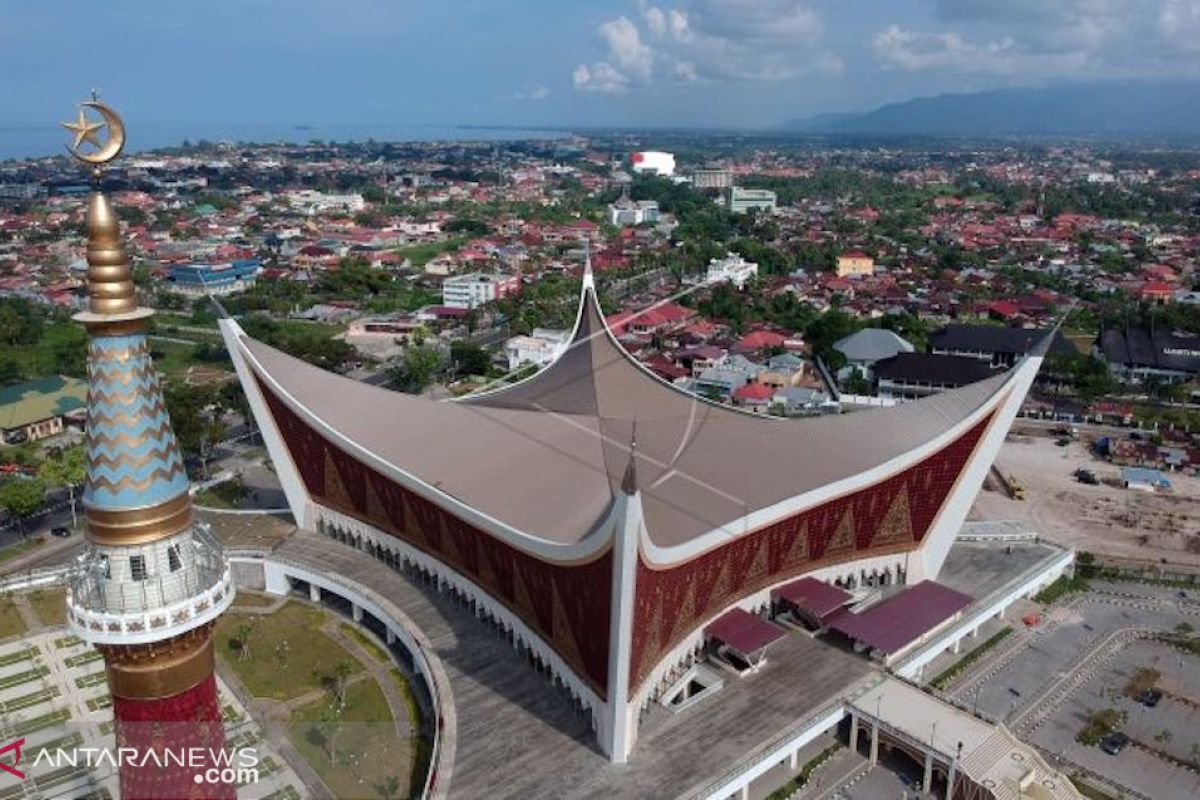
[151,580]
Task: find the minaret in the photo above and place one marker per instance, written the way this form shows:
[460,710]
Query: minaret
[151,580]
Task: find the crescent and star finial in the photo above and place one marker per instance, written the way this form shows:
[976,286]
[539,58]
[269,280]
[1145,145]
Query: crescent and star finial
[100,149]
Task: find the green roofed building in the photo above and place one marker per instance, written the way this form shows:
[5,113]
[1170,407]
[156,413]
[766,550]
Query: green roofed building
[36,409]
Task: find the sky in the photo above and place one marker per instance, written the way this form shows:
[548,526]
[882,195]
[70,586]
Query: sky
[693,63]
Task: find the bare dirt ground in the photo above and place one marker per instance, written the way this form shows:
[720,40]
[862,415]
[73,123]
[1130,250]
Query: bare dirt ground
[1102,519]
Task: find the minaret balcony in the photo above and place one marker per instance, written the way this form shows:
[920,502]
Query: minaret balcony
[145,626]
[149,592]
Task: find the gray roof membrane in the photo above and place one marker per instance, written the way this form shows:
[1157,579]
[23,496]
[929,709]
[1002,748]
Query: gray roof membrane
[547,455]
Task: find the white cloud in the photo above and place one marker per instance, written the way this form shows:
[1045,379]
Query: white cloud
[656,20]
[626,48]
[600,77]
[914,51]
[736,40]
[1098,38]
[678,22]
[759,20]
[1179,21]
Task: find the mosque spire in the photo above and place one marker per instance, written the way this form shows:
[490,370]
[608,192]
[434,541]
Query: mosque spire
[151,580]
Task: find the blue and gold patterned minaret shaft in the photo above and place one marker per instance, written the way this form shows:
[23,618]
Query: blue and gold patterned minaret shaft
[151,581]
[137,487]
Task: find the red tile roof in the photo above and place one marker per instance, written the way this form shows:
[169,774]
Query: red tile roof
[754,391]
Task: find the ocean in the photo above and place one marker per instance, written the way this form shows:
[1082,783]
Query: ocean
[34,141]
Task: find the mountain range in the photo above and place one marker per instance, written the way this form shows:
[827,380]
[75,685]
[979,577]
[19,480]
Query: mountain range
[1133,108]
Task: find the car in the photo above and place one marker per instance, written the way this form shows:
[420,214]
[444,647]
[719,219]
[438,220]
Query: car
[60,532]
[1114,743]
[1150,697]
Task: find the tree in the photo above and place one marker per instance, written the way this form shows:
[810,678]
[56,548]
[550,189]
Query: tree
[339,678]
[67,468]
[241,640]
[469,358]
[21,497]
[197,417]
[416,371]
[827,329]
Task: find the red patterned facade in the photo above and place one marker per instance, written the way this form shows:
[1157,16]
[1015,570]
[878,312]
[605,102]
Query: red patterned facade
[566,604]
[186,733]
[891,516]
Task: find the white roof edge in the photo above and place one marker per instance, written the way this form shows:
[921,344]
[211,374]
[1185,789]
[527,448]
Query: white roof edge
[665,556]
[592,544]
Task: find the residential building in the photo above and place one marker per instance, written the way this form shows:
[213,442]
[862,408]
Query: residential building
[311,202]
[742,201]
[539,348]
[40,408]
[855,264]
[732,268]
[802,400]
[213,279]
[627,213]
[472,291]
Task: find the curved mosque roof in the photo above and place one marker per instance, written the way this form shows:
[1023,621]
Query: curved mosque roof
[546,456]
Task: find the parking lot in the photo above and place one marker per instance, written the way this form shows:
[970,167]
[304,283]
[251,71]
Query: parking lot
[1079,659]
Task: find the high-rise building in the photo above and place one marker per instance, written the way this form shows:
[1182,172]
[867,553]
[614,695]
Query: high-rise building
[741,201]
[151,580]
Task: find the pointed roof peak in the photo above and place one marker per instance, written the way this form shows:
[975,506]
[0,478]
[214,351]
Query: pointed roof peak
[589,279]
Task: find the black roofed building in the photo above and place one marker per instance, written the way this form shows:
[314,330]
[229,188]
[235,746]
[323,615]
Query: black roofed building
[908,376]
[1135,354]
[999,346]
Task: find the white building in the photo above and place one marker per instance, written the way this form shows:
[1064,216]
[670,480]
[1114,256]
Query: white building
[472,291]
[654,162]
[732,268]
[310,201]
[539,348]
[626,213]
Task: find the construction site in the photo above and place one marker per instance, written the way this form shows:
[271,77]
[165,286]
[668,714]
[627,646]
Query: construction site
[1058,486]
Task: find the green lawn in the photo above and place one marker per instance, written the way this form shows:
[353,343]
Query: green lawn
[11,623]
[422,254]
[288,652]
[250,599]
[369,762]
[366,642]
[50,605]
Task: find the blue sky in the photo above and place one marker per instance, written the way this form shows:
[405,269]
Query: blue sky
[730,63]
